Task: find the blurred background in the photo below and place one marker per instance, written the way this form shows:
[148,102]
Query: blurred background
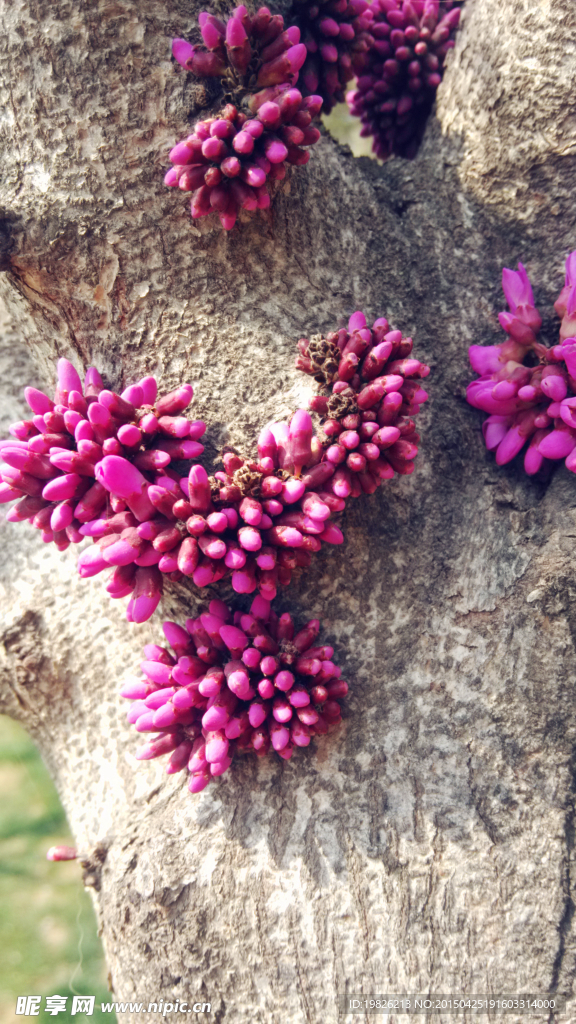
[48,933]
[48,938]
[346,129]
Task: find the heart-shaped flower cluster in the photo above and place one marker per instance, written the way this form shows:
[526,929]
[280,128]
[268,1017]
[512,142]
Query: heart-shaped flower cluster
[97,464]
[529,389]
[396,89]
[86,465]
[336,34]
[236,683]
[375,394]
[229,160]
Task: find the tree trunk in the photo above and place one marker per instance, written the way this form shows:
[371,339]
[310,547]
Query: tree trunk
[427,845]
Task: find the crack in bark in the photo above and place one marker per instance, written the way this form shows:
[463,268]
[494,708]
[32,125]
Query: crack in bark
[299,971]
[488,826]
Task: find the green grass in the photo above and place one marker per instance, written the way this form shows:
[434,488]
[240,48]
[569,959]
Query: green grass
[47,925]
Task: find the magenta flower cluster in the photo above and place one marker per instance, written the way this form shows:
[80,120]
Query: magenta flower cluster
[258,521]
[94,463]
[397,86]
[88,464]
[97,464]
[528,389]
[336,34]
[246,52]
[229,160]
[375,394]
[209,528]
[236,683]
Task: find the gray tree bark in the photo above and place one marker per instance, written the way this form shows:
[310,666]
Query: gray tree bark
[428,845]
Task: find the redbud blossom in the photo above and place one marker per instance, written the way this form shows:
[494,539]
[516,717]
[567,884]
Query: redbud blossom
[396,88]
[217,697]
[247,52]
[93,463]
[230,160]
[337,37]
[534,404]
[369,416]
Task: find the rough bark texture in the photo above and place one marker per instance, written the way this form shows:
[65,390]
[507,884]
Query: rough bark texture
[428,845]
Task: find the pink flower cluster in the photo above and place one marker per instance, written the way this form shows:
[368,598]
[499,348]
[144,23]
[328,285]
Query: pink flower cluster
[247,52]
[375,393]
[236,683]
[97,464]
[254,522]
[337,36]
[529,390]
[87,465]
[229,160]
[260,521]
[397,86]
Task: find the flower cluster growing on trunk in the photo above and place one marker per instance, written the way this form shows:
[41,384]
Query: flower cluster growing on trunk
[258,521]
[230,159]
[88,464]
[236,683]
[528,389]
[94,463]
[373,394]
[254,522]
[97,464]
[397,86]
[336,34]
[246,52]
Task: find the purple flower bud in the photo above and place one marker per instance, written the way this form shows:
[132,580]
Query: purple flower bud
[244,580]
[91,562]
[199,781]
[68,379]
[235,33]
[62,516]
[199,490]
[182,51]
[38,401]
[557,444]
[279,736]
[211,35]
[146,595]
[180,757]
[292,490]
[235,640]
[249,538]
[8,493]
[516,287]
[300,439]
